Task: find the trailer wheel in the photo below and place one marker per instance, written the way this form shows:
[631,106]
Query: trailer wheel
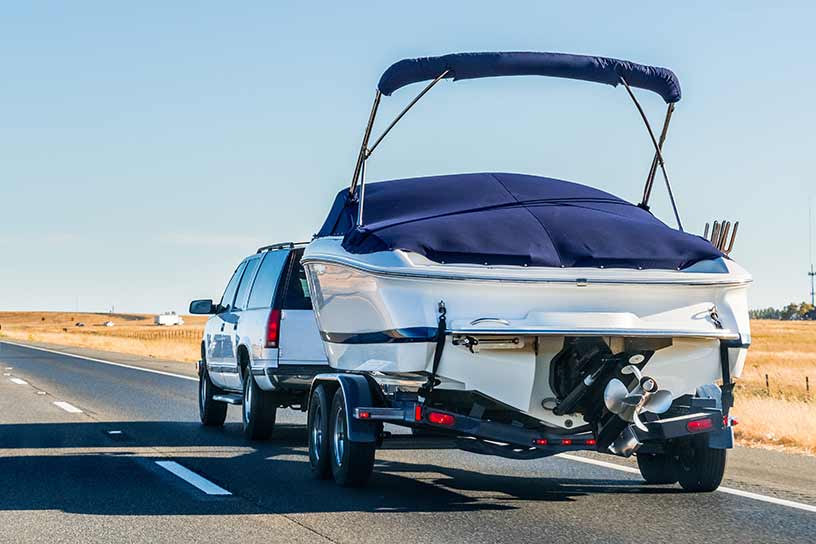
[700,468]
[211,412]
[657,468]
[318,425]
[258,411]
[351,462]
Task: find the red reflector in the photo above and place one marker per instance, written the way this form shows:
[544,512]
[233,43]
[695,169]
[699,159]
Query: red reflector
[699,425]
[418,413]
[566,441]
[441,419]
[540,442]
[730,420]
[273,328]
[591,442]
[364,415]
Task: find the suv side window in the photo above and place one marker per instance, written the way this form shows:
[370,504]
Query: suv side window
[266,281]
[246,281]
[297,295]
[229,293]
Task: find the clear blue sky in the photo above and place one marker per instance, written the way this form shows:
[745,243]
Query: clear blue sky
[146,148]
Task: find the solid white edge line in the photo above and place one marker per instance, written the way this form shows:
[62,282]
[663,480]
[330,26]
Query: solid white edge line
[67,406]
[18,381]
[192,478]
[728,490]
[103,361]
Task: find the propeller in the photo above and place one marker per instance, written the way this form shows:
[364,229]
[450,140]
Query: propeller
[644,397]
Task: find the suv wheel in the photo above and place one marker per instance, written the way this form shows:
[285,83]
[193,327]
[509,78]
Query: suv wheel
[212,412]
[258,410]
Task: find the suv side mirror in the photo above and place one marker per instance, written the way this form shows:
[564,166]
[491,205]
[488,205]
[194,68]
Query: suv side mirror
[204,306]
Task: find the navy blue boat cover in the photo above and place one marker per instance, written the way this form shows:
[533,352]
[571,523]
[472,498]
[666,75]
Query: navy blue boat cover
[511,219]
[588,68]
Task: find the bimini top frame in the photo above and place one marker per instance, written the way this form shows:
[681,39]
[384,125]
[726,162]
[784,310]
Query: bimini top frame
[478,65]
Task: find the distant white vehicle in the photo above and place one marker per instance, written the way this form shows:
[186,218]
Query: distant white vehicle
[168,319]
[108,323]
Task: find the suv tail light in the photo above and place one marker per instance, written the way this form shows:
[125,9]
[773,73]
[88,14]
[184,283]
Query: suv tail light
[273,328]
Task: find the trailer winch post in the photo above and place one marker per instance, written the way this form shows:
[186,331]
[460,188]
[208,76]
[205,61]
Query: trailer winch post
[441,328]
[728,384]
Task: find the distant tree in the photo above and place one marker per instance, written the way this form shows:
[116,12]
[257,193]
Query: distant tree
[792,311]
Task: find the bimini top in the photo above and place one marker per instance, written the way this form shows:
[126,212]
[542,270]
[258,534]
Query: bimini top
[475,65]
[511,219]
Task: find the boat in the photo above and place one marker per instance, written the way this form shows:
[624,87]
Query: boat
[527,299]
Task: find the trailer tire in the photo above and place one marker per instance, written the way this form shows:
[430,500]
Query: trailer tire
[258,411]
[318,425]
[700,469]
[658,468]
[212,413]
[351,462]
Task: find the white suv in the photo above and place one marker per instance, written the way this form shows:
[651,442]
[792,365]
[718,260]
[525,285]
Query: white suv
[261,347]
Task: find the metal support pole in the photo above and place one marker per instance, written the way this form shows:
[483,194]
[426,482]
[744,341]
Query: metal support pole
[647,190]
[362,155]
[658,153]
[405,110]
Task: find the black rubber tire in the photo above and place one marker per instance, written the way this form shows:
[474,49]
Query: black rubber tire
[657,468]
[212,413]
[258,411]
[353,464]
[700,469]
[318,425]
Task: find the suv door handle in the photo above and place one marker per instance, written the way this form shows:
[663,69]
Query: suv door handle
[235,326]
[222,327]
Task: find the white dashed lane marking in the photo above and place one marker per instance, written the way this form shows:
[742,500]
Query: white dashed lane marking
[192,478]
[18,381]
[70,408]
[721,489]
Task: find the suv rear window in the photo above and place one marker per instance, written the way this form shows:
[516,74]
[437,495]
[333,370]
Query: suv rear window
[266,281]
[297,291]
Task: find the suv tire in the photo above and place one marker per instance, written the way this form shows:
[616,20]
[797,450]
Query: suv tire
[212,413]
[258,410]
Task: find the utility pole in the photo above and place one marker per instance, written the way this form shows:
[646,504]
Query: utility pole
[812,274]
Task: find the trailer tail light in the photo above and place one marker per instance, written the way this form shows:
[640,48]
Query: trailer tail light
[591,442]
[540,442]
[441,419]
[566,441]
[699,425]
[363,414]
[273,328]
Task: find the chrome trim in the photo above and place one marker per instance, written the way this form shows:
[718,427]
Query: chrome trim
[490,319]
[386,272]
[640,333]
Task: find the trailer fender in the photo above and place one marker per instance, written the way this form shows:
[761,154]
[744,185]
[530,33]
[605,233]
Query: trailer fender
[718,440]
[357,393]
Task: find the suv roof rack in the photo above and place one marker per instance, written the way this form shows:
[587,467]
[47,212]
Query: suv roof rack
[280,245]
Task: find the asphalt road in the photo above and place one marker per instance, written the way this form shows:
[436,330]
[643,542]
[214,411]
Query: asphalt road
[87,469]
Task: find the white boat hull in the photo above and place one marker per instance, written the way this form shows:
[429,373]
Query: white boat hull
[378,312]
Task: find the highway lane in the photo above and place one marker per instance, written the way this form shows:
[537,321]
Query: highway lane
[67,478]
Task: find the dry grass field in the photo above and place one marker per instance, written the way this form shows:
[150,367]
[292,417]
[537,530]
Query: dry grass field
[783,414]
[133,334]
